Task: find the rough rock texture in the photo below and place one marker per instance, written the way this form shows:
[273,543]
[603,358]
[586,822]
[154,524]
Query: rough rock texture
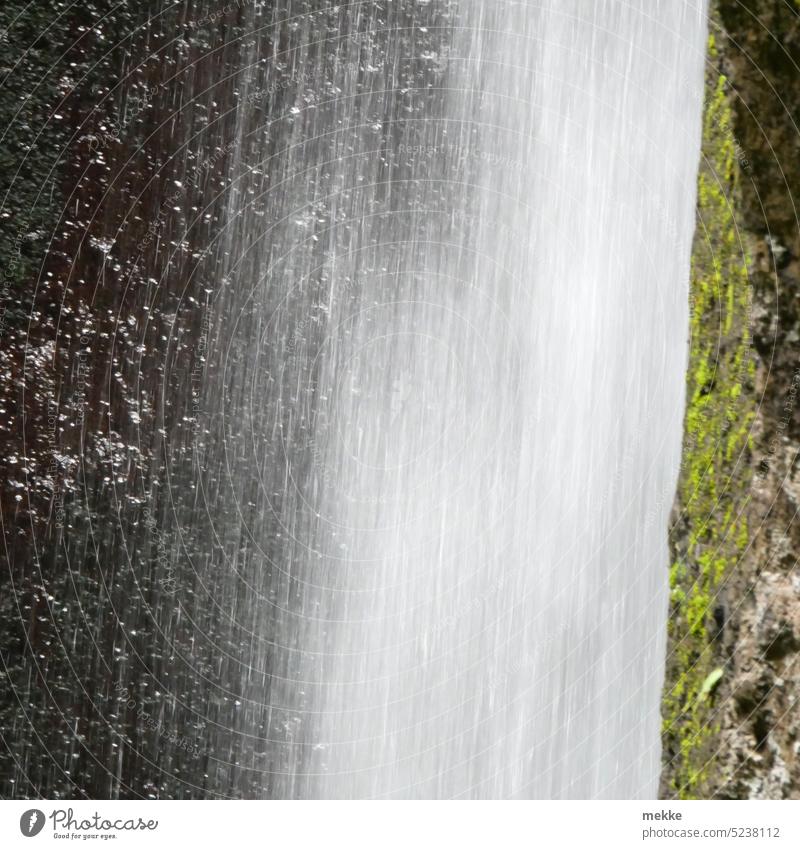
[760,743]
[756,707]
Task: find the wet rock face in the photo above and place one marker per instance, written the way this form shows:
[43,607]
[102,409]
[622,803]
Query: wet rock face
[758,704]
[778,612]
[106,341]
[93,297]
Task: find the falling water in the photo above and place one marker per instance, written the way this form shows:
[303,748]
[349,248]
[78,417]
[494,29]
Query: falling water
[408,499]
[463,342]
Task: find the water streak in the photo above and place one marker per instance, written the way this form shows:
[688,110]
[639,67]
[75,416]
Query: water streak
[469,342]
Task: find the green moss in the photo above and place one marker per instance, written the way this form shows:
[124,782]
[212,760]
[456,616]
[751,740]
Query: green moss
[712,532]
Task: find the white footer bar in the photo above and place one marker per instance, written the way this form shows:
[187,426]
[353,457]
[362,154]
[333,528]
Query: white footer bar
[405,825]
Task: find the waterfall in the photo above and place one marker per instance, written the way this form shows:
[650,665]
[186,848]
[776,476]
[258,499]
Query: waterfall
[351,397]
[451,380]
[455,415]
[363,423]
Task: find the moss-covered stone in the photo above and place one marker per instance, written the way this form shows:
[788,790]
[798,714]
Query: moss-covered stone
[711,529]
[735,594]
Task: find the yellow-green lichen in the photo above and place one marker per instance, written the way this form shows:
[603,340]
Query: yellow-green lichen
[711,533]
